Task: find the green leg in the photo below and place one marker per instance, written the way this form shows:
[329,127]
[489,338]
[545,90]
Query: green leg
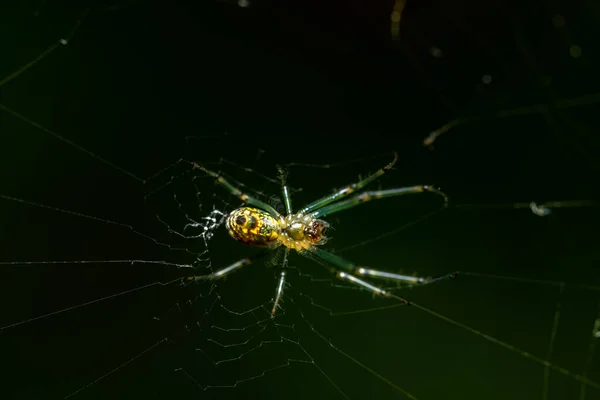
[349,271]
[238,193]
[287,200]
[340,194]
[222,272]
[280,282]
[374,195]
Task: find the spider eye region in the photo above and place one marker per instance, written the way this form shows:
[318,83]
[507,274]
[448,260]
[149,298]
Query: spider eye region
[315,231]
[253,226]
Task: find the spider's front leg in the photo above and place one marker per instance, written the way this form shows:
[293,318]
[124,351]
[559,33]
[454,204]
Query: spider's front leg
[349,271]
[346,191]
[375,195]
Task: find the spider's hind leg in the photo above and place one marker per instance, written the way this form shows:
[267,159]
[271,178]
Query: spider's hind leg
[246,198]
[348,271]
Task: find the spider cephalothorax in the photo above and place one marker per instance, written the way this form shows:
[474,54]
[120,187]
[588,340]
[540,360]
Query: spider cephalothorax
[259,228]
[300,231]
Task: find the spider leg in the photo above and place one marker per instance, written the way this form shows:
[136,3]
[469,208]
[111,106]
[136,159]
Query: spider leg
[238,193]
[229,269]
[280,283]
[340,194]
[375,195]
[347,270]
[278,292]
[222,272]
[285,190]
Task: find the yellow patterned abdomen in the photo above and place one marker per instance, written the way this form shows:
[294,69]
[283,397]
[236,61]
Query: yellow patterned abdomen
[253,226]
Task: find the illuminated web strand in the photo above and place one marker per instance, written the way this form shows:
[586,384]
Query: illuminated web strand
[62,42]
[30,64]
[132,262]
[263,373]
[526,110]
[582,378]
[98,219]
[245,342]
[394,231]
[338,164]
[70,143]
[541,361]
[263,324]
[289,361]
[173,178]
[590,355]
[242,329]
[129,361]
[248,170]
[333,313]
[238,313]
[539,210]
[353,359]
[552,339]
[112,296]
[239,344]
[530,280]
[345,354]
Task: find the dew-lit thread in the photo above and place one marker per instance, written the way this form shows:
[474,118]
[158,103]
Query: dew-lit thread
[357,362]
[552,339]
[132,359]
[90,217]
[590,354]
[87,303]
[70,143]
[507,346]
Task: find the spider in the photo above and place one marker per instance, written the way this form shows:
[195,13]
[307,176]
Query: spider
[259,224]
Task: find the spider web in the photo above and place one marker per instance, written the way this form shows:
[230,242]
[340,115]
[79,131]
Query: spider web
[96,249]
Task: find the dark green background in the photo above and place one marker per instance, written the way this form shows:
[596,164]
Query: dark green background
[142,84]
